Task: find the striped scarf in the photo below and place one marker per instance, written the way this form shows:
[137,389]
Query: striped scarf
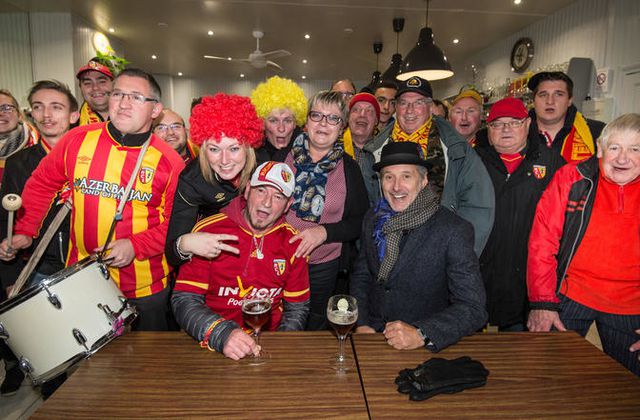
[88,116]
[420,136]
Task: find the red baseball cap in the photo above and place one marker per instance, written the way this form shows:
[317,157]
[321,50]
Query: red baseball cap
[94,65]
[366,97]
[508,107]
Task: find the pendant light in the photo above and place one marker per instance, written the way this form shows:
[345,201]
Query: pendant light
[375,77]
[426,59]
[396,60]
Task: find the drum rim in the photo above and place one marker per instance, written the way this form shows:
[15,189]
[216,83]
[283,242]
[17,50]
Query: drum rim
[51,280]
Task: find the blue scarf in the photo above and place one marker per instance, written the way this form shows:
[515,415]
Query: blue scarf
[311,178]
[383,213]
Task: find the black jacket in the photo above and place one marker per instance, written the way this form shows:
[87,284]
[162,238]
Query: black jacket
[195,199]
[17,170]
[534,132]
[267,152]
[503,262]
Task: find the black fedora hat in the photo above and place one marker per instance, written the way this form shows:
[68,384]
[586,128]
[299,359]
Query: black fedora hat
[400,153]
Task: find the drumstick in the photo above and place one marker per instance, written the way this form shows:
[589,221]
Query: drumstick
[11,203]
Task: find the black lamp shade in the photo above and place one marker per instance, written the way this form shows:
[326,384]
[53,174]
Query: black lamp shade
[426,60]
[375,81]
[394,69]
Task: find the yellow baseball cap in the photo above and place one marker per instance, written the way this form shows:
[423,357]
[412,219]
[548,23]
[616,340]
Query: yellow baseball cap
[469,93]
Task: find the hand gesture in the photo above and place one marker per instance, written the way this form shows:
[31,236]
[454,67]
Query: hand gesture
[310,239]
[207,245]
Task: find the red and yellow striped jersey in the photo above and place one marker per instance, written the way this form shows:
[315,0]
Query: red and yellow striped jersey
[98,168]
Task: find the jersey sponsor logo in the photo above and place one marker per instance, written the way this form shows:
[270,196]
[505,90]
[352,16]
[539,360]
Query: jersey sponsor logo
[83,160]
[146,174]
[279,266]
[219,197]
[539,171]
[108,190]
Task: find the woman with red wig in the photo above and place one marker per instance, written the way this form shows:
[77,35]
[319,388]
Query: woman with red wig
[227,129]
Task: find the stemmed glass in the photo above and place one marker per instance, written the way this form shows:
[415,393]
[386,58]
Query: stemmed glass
[256,312]
[342,313]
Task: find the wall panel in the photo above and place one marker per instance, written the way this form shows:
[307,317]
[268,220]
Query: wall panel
[15,50]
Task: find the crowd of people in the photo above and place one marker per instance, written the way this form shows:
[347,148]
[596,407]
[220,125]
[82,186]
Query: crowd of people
[438,220]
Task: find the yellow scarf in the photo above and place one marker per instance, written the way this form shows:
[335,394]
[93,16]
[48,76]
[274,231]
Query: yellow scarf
[420,136]
[578,145]
[348,143]
[88,116]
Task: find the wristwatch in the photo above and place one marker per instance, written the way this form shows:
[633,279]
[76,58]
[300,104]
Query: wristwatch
[428,343]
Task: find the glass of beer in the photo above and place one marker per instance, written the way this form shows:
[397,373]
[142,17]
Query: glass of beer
[342,313]
[256,312]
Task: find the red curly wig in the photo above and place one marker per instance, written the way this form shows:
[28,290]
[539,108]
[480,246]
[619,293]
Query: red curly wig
[225,115]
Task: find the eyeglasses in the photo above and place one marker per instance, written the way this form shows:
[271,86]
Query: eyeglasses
[318,116]
[346,95]
[138,98]
[499,125]
[163,128]
[7,109]
[403,104]
[382,100]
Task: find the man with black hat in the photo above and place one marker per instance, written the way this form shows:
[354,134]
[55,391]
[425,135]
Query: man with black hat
[556,122]
[96,83]
[455,170]
[417,278]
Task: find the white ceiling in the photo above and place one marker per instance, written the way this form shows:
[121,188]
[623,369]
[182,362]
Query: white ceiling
[342,31]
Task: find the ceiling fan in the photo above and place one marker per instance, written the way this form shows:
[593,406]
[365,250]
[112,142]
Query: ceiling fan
[257,59]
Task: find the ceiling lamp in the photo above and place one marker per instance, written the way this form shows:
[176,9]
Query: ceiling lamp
[390,74]
[426,59]
[375,77]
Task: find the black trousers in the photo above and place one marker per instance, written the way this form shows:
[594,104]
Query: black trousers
[322,279]
[617,332]
[152,312]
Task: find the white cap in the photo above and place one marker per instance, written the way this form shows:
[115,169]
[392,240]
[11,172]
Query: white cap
[275,174]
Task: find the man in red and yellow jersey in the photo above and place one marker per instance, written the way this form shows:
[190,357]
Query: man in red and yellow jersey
[207,299]
[97,161]
[96,83]
[556,122]
[584,247]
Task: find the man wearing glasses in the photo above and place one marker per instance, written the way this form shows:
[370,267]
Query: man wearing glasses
[520,169]
[169,126]
[344,87]
[456,172]
[97,161]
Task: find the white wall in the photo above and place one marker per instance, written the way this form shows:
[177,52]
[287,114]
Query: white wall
[15,50]
[607,31]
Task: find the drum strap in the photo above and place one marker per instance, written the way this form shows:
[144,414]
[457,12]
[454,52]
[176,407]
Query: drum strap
[39,250]
[124,198]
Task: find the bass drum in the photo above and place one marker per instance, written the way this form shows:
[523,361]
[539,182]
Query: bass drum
[64,319]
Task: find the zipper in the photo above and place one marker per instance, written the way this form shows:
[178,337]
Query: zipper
[573,247]
[62,258]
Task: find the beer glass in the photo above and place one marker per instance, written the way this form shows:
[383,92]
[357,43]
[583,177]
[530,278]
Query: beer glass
[256,312]
[342,313]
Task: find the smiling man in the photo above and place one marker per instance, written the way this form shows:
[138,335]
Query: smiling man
[97,161]
[455,170]
[584,251]
[170,127]
[520,170]
[364,113]
[259,262]
[417,278]
[96,83]
[556,122]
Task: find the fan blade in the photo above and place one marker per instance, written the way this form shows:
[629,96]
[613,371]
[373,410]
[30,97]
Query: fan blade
[213,57]
[276,54]
[271,63]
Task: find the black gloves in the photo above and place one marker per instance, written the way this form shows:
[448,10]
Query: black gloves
[441,376]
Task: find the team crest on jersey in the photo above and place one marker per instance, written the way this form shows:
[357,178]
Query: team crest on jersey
[286,176]
[279,266]
[539,171]
[146,175]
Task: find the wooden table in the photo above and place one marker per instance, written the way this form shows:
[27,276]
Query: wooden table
[167,374]
[541,375]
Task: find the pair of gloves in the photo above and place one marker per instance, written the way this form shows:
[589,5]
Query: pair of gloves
[441,376]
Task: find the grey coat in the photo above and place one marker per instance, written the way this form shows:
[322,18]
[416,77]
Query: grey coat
[468,190]
[435,285]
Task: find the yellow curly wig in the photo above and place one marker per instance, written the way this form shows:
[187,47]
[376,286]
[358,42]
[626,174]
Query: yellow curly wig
[278,93]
